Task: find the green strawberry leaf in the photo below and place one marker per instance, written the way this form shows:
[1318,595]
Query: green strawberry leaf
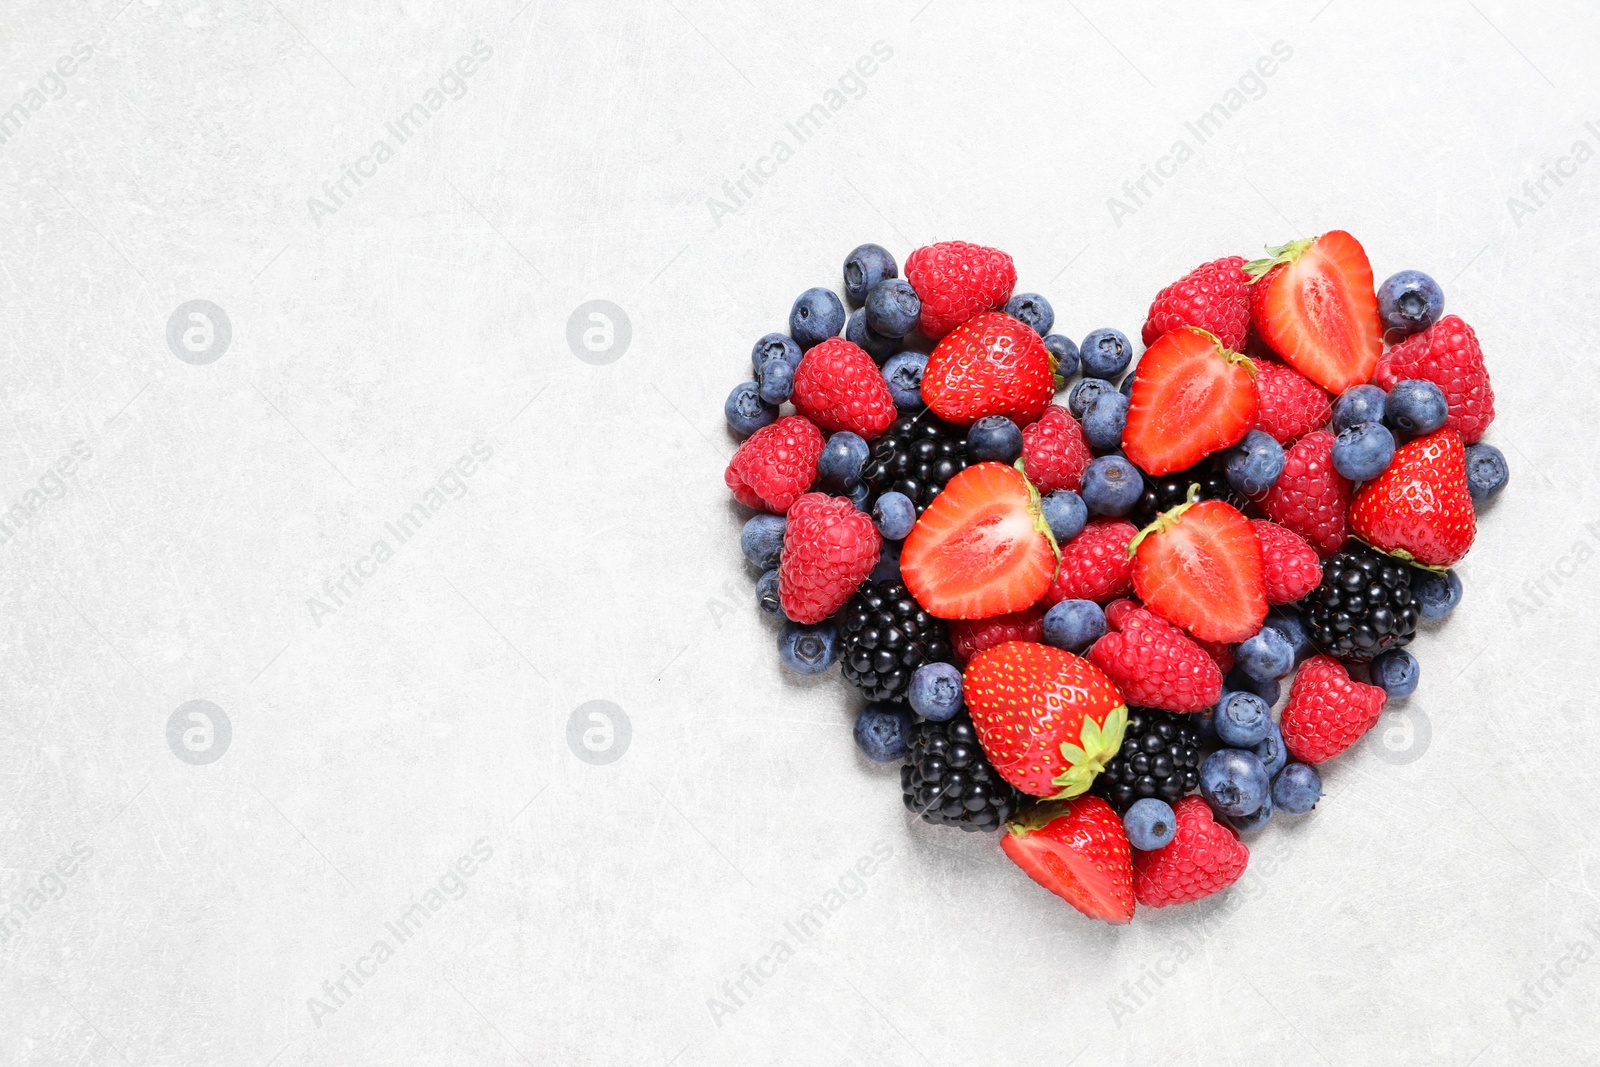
[1097,743]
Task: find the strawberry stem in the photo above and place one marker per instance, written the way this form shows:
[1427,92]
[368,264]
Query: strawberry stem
[1277,254]
[1166,520]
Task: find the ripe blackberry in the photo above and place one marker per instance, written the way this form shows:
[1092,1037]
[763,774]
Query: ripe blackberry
[918,455]
[1159,757]
[1170,490]
[947,780]
[1363,606]
[885,636]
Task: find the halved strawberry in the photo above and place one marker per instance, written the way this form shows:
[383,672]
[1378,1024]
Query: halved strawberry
[1199,566]
[1191,397]
[982,548]
[1312,303]
[1079,851]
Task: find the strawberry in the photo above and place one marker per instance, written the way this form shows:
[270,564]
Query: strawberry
[829,548]
[1419,508]
[1292,405]
[1154,663]
[1204,857]
[1446,354]
[1046,719]
[838,387]
[1094,565]
[1313,303]
[1290,568]
[982,548]
[776,464]
[1079,851]
[968,637]
[1199,566]
[1311,498]
[1191,397]
[1327,712]
[1054,452]
[1214,296]
[989,365]
[956,280]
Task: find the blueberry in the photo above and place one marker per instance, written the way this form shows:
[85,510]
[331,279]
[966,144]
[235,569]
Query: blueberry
[1033,311]
[774,346]
[1266,656]
[888,565]
[893,308]
[882,732]
[1359,403]
[865,267]
[1106,353]
[1287,622]
[1256,821]
[1074,625]
[1363,451]
[839,466]
[857,494]
[1240,682]
[762,540]
[1408,303]
[1126,387]
[1084,393]
[1486,472]
[894,514]
[808,649]
[935,691]
[1396,671]
[904,375]
[1255,464]
[994,437]
[767,594]
[1297,789]
[1272,752]
[777,381]
[745,410]
[857,332]
[1415,407]
[1243,720]
[816,316]
[1111,486]
[1437,594]
[1065,349]
[1150,823]
[1205,724]
[1066,514]
[1234,781]
[1103,422]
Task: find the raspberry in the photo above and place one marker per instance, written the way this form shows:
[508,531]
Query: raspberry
[1446,354]
[970,636]
[776,465]
[838,387]
[1054,452]
[1292,405]
[1154,663]
[1311,498]
[1094,565]
[956,280]
[1203,858]
[1221,653]
[1290,567]
[829,548]
[1327,712]
[1214,296]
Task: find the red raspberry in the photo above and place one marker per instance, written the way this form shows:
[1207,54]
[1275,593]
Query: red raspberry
[1446,354]
[776,465]
[1095,564]
[956,280]
[970,636]
[1311,498]
[1292,405]
[1221,653]
[1203,858]
[829,548]
[1214,296]
[1054,452]
[1289,567]
[1154,663]
[838,387]
[1327,712]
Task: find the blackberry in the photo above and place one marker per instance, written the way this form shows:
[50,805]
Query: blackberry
[1363,606]
[947,780]
[885,636]
[1159,757]
[918,455]
[1170,490]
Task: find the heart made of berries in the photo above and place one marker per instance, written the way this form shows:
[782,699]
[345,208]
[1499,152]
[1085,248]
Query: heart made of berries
[1071,622]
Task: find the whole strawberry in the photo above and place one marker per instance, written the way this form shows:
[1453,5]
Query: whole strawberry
[1095,564]
[1154,663]
[1311,498]
[838,387]
[1079,851]
[829,548]
[989,365]
[776,464]
[1290,567]
[1054,452]
[1292,405]
[1327,711]
[1203,858]
[1446,354]
[1214,296]
[968,637]
[956,280]
[1046,719]
[1420,508]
